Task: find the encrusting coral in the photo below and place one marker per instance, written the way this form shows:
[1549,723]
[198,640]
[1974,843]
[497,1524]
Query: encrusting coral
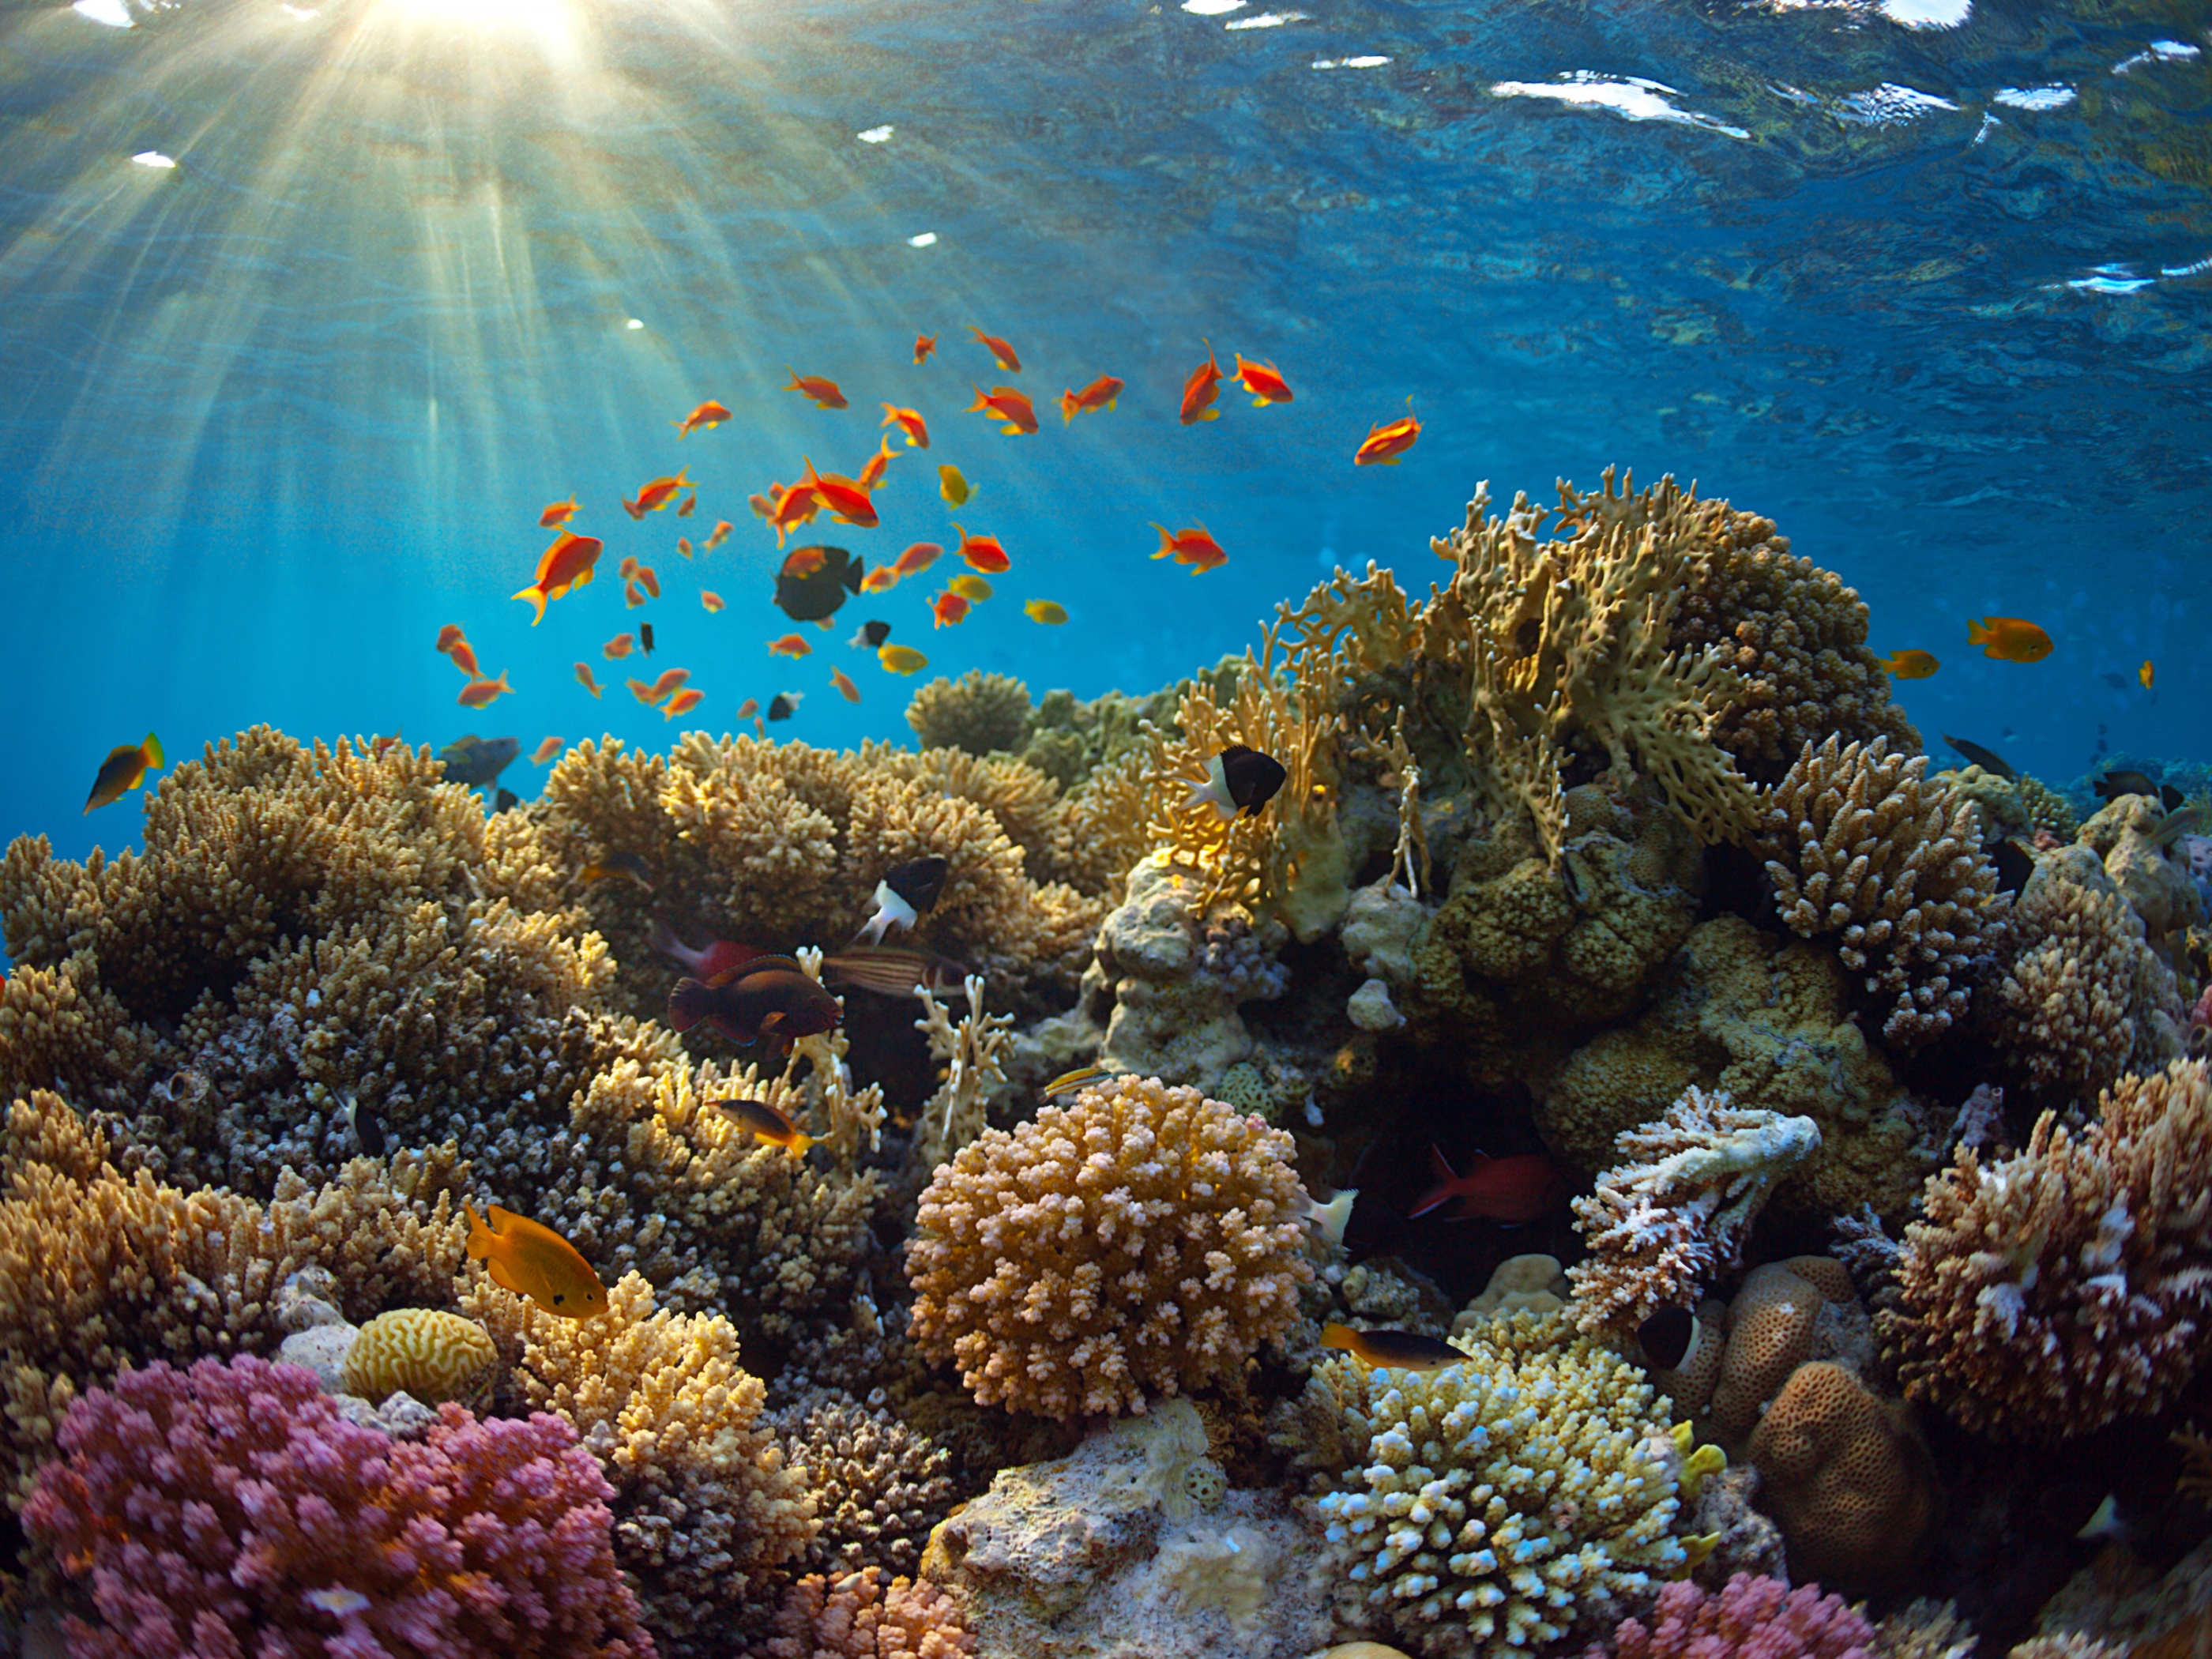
[1142,1240]
[1748,1618]
[981,713]
[1861,846]
[2044,1295]
[229,1508]
[1671,1215]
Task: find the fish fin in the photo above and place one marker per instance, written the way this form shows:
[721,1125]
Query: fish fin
[503,1276]
[537,595]
[1439,1165]
[153,749]
[1209,414]
[480,1237]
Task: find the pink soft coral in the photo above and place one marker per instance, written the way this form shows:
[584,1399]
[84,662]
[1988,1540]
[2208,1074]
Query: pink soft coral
[230,1510]
[1750,1619]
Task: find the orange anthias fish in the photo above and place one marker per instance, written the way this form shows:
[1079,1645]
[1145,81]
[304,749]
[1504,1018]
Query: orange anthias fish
[791,509]
[845,500]
[765,506]
[881,580]
[746,710]
[565,565]
[879,463]
[125,768]
[711,599]
[640,690]
[683,703]
[618,647]
[2009,638]
[690,504]
[1512,1189]
[1260,380]
[628,567]
[791,645]
[584,678]
[822,390]
[650,582]
[683,545]
[464,657]
[2146,674]
[923,345]
[557,514]
[1005,404]
[1909,664]
[632,597]
[545,750]
[1193,547]
[1199,390]
[1099,394]
[705,418]
[657,494]
[717,535]
[983,553]
[918,558]
[949,608]
[671,680]
[1383,445]
[476,693]
[909,422]
[532,1260]
[849,691]
[449,636]
[999,350]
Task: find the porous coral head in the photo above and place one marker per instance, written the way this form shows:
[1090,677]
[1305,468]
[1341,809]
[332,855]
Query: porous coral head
[1144,1239]
[1845,1476]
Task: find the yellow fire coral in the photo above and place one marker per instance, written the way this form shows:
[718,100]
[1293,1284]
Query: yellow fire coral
[2045,1295]
[430,1353]
[1144,1240]
[1861,846]
[1497,1506]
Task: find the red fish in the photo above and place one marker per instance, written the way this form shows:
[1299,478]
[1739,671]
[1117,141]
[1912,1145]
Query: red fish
[618,647]
[631,596]
[1099,394]
[717,535]
[683,703]
[1262,382]
[705,418]
[449,636]
[845,686]
[1199,390]
[765,506]
[872,473]
[628,567]
[1385,444]
[1511,1189]
[683,545]
[584,678]
[690,504]
[909,422]
[923,345]
[918,558]
[476,693]
[847,501]
[948,609]
[711,599]
[822,390]
[1000,351]
[983,553]
[748,709]
[565,565]
[719,955]
[557,514]
[1005,404]
[792,507]
[657,494]
[1193,547]
[791,645]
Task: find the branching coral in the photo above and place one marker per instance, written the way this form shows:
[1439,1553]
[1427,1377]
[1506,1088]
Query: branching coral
[1497,1505]
[2045,1295]
[1861,846]
[1143,1240]
[1671,1216]
[980,713]
[1748,1618]
[866,1615]
[969,1054]
[229,1508]
[878,1485]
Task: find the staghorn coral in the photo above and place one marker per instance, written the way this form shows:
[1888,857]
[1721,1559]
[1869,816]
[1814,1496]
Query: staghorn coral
[427,1353]
[866,1615]
[1142,1240]
[1861,846]
[2042,1296]
[1672,1214]
[980,713]
[706,1508]
[229,1508]
[970,1054]
[1503,1503]
[1846,1478]
[1748,1618]
[2085,997]
[878,1485]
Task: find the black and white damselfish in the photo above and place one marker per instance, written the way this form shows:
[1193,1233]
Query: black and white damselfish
[1240,780]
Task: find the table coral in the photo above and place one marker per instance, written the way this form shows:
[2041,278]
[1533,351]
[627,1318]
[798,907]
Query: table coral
[1501,1504]
[230,1507]
[1748,1618]
[979,713]
[1671,1214]
[1142,1240]
[1862,847]
[2044,1295]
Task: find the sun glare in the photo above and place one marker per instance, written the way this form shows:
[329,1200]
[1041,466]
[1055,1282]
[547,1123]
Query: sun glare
[535,15]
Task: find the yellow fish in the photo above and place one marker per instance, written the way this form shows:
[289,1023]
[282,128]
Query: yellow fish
[952,486]
[1048,611]
[970,587]
[1068,1082]
[125,768]
[2009,638]
[2144,674]
[1909,664]
[533,1261]
[902,658]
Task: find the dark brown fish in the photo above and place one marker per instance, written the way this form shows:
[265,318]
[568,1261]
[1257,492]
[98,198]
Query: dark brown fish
[2015,864]
[1989,760]
[1666,1335]
[2113,785]
[1404,1351]
[769,997]
[813,582]
[889,971]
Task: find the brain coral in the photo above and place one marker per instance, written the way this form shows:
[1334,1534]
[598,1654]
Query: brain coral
[1497,1505]
[1144,1239]
[425,1352]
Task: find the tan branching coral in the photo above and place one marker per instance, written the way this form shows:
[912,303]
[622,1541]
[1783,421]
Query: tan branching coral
[879,1485]
[981,713]
[866,1615]
[970,1055]
[1671,1215]
[2042,1296]
[2085,997]
[1143,1240]
[2048,811]
[1861,846]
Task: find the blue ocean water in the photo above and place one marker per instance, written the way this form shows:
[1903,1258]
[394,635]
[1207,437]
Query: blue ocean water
[1928,282]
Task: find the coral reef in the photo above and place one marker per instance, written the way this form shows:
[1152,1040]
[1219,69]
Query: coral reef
[1748,1618]
[865,1615]
[1143,1240]
[1861,846]
[980,713]
[879,1487]
[227,1508]
[427,1353]
[2044,1295]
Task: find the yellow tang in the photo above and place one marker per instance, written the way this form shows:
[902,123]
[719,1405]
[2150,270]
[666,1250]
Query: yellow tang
[1048,611]
[952,486]
[970,587]
[532,1260]
[902,658]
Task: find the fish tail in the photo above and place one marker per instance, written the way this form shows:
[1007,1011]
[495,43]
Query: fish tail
[1977,634]
[537,594]
[153,755]
[1334,1335]
[480,1237]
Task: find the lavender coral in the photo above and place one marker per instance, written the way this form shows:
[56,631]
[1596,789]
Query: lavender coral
[1144,1240]
[1748,1618]
[229,1508]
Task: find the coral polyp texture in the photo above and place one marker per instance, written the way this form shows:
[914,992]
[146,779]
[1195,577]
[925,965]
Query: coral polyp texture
[1748,1618]
[866,1615]
[1861,846]
[2044,1295]
[1144,1240]
[230,1510]
[1498,1505]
